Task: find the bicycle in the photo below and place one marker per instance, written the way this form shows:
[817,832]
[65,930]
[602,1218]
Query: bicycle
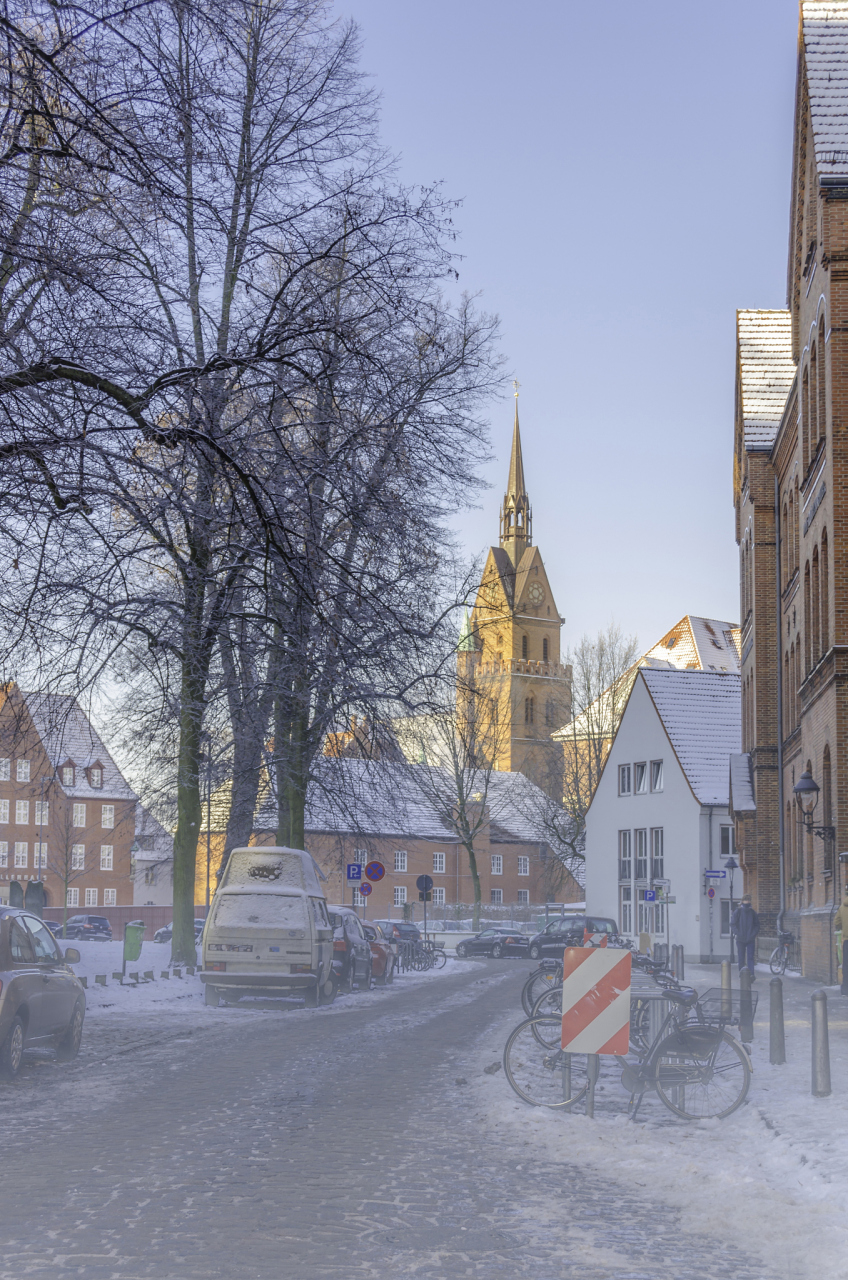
[780,957]
[693,1063]
[547,976]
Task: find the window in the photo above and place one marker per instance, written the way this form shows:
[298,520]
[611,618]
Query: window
[496,897]
[23,771]
[4,853]
[108,820]
[438,864]
[78,857]
[624,779]
[360,856]
[400,861]
[79,815]
[545,649]
[91,897]
[5,770]
[725,917]
[625,861]
[22,811]
[4,810]
[19,942]
[43,941]
[438,897]
[644,913]
[73,898]
[640,779]
[625,908]
[40,855]
[358,900]
[42,813]
[656,775]
[659,917]
[149,877]
[641,855]
[110,897]
[528,710]
[400,895]
[657,872]
[524,897]
[524,646]
[497,864]
[96,775]
[21,854]
[67,775]
[550,712]
[523,868]
[728,844]
[105,857]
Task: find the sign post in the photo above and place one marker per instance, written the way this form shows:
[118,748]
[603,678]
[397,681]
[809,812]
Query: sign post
[424,885]
[354,878]
[595,1006]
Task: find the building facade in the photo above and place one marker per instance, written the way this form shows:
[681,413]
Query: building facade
[67,816]
[660,820]
[790,464]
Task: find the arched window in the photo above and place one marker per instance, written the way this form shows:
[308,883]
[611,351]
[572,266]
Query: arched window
[524,647]
[822,383]
[805,417]
[784,549]
[815,607]
[807,619]
[797,700]
[545,649]
[814,414]
[787,842]
[528,710]
[825,595]
[827,810]
[786,720]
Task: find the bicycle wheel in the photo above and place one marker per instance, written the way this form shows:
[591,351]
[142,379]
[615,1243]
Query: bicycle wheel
[540,981]
[701,1073]
[538,1070]
[640,1024]
[777,960]
[549,1004]
[439,959]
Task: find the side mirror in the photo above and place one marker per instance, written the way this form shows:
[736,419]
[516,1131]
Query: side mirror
[72,955]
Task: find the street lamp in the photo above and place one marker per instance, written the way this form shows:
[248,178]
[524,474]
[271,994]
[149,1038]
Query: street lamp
[731,865]
[806,788]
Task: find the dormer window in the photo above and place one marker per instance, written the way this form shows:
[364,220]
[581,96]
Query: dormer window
[68,774]
[95,776]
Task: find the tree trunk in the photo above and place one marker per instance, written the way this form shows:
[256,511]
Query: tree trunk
[475,880]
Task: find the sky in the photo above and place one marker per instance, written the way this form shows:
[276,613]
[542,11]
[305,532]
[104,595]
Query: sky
[625,172]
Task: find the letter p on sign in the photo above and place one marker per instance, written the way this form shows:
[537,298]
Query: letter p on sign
[596,1000]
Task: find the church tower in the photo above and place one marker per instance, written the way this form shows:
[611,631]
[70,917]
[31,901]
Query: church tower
[515,629]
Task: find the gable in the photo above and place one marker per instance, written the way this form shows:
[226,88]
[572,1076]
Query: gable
[532,570]
[497,586]
[702,716]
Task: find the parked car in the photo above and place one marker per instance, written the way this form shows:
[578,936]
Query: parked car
[166,933]
[403,930]
[493,942]
[383,954]
[54,927]
[352,959]
[42,1001]
[88,928]
[568,931]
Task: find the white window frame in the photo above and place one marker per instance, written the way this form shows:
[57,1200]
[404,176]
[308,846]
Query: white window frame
[21,853]
[438,897]
[91,897]
[640,778]
[641,853]
[96,779]
[400,895]
[107,817]
[523,868]
[438,864]
[360,856]
[107,857]
[4,853]
[496,897]
[358,900]
[524,897]
[79,815]
[497,864]
[4,811]
[656,775]
[22,813]
[42,813]
[5,769]
[39,855]
[401,861]
[72,898]
[625,857]
[110,897]
[657,854]
[67,775]
[727,844]
[78,857]
[625,908]
[625,779]
[22,770]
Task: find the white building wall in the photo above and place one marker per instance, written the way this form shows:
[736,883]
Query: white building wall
[153,882]
[685,824]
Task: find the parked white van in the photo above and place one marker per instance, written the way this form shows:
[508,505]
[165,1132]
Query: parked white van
[268,931]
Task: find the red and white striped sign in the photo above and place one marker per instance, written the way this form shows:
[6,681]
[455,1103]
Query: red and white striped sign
[596,1000]
[594,939]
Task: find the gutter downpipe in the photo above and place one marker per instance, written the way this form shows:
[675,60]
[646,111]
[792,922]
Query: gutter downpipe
[710,900]
[781,863]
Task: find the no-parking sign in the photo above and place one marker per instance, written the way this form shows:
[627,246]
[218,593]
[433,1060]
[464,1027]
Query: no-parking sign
[375,871]
[365,889]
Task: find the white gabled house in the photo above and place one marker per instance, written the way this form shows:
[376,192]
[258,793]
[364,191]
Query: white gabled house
[660,815]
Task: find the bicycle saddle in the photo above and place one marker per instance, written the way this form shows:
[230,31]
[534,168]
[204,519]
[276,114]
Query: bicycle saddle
[686,996]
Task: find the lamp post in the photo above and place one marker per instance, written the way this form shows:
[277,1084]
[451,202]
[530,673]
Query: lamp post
[731,865]
[807,789]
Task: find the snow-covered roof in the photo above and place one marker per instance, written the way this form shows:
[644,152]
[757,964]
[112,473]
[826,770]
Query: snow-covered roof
[825,36]
[702,715]
[742,798]
[66,733]
[766,371]
[155,844]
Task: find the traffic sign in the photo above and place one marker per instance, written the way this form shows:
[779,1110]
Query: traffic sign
[596,1000]
[711,892]
[716,875]
[671,900]
[354,871]
[650,895]
[365,889]
[424,884]
[375,871]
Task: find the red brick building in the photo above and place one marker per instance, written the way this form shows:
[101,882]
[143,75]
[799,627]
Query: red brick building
[67,816]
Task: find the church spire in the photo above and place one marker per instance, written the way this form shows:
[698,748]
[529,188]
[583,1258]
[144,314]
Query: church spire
[516,514]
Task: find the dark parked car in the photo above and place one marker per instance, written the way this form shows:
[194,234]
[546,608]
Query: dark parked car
[42,1001]
[403,930]
[55,928]
[87,928]
[383,953]
[166,933]
[568,931]
[352,960]
[493,942]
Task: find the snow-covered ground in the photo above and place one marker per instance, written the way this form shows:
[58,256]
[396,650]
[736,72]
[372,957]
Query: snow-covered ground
[773,1177]
[186,993]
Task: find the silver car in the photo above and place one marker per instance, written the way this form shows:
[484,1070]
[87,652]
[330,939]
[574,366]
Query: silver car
[42,1001]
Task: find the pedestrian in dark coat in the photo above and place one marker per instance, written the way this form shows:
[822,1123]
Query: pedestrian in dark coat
[745,924]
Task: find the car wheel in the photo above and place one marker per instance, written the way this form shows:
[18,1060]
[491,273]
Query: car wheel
[390,974]
[461,950]
[535,951]
[497,951]
[365,981]
[69,1045]
[211,996]
[12,1050]
[327,993]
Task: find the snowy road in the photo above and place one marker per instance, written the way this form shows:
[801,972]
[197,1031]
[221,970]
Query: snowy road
[361,1141]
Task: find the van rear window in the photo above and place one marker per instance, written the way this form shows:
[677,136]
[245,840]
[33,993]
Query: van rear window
[262,910]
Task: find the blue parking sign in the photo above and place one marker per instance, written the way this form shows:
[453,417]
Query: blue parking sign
[650,895]
[354,871]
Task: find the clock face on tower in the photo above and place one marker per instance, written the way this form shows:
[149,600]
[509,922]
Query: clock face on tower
[536,593]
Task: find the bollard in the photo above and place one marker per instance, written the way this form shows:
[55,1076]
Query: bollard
[844,987]
[726,985]
[149,975]
[593,1070]
[821,1047]
[746,1011]
[190,967]
[165,974]
[100,979]
[777,1039]
[178,973]
[118,975]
